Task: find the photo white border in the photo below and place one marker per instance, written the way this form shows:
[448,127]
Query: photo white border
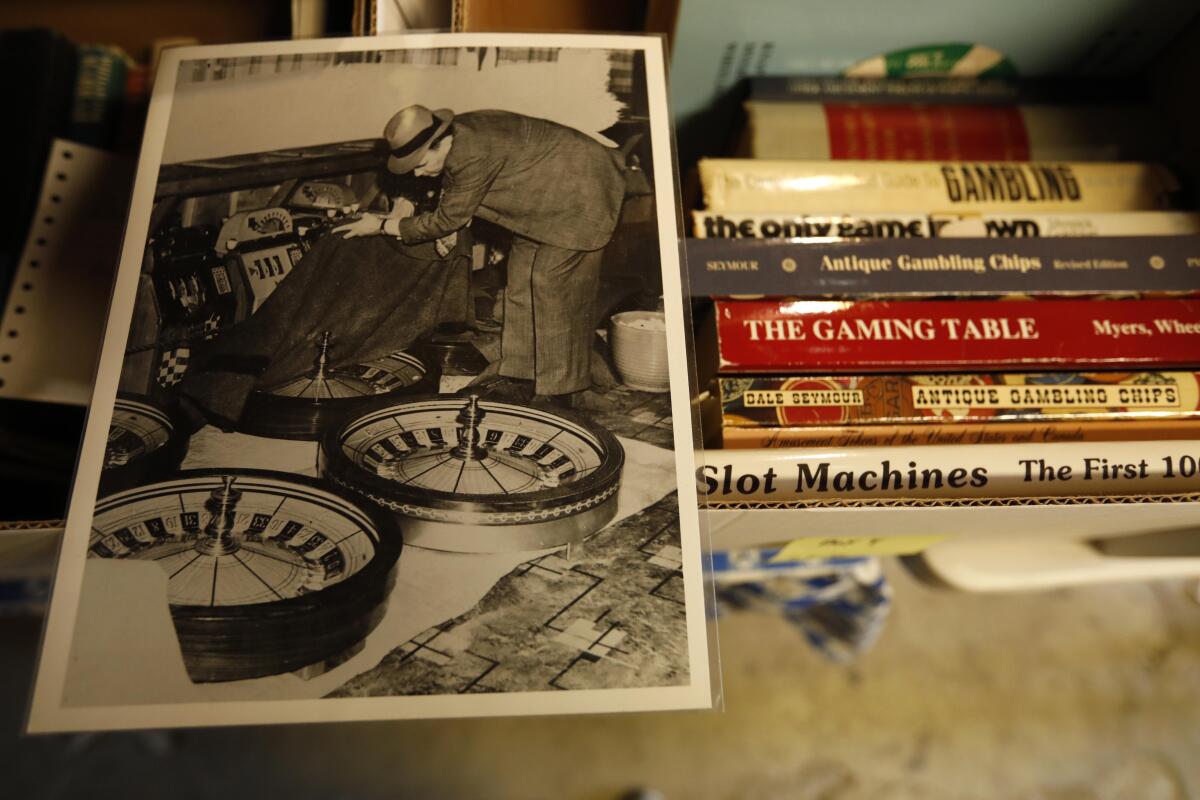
[47,714]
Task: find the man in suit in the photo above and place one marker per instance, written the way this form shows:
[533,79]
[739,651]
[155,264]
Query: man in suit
[558,191]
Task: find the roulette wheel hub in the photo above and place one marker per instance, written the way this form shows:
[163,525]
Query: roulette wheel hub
[468,447]
[323,382]
[218,538]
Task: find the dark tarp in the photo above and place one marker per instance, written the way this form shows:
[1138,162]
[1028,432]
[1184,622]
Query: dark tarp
[373,294]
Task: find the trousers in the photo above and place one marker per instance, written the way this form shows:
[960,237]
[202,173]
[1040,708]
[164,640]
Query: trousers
[549,305]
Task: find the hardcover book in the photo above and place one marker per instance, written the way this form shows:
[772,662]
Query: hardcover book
[945,90]
[767,402]
[963,433]
[1042,132]
[787,336]
[825,187]
[943,267]
[1104,470]
[825,227]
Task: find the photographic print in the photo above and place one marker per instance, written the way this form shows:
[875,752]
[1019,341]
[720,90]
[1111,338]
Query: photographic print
[392,415]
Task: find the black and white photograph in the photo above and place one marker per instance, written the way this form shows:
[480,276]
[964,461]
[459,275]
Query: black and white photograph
[392,414]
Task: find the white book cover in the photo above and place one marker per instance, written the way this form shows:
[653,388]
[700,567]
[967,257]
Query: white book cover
[833,227]
[350,454]
[823,187]
[990,473]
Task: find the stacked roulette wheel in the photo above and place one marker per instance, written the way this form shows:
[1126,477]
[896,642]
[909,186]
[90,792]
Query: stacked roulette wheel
[266,572]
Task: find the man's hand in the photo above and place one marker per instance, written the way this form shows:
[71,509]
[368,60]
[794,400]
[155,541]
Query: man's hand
[445,244]
[403,208]
[366,225]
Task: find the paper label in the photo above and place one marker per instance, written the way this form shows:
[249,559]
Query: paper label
[830,546]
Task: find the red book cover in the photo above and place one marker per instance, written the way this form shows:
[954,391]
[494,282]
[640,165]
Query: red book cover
[967,133]
[772,336]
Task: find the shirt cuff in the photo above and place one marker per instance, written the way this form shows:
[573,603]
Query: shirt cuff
[391,227]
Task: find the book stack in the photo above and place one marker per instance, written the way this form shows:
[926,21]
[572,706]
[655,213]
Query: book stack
[92,94]
[890,280]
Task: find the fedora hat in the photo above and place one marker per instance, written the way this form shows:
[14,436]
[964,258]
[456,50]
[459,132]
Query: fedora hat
[409,133]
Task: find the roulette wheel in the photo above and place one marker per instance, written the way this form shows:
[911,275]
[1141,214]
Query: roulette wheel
[302,407]
[267,572]
[479,476]
[145,441]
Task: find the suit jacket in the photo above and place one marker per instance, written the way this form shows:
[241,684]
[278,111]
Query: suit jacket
[536,178]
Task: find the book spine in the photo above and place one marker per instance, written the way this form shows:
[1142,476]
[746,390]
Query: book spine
[774,336]
[712,225]
[959,434]
[1081,469]
[134,105]
[816,88]
[99,95]
[967,90]
[919,267]
[752,185]
[931,400]
[948,132]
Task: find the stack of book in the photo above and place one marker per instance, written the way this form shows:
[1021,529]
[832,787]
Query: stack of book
[891,282]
